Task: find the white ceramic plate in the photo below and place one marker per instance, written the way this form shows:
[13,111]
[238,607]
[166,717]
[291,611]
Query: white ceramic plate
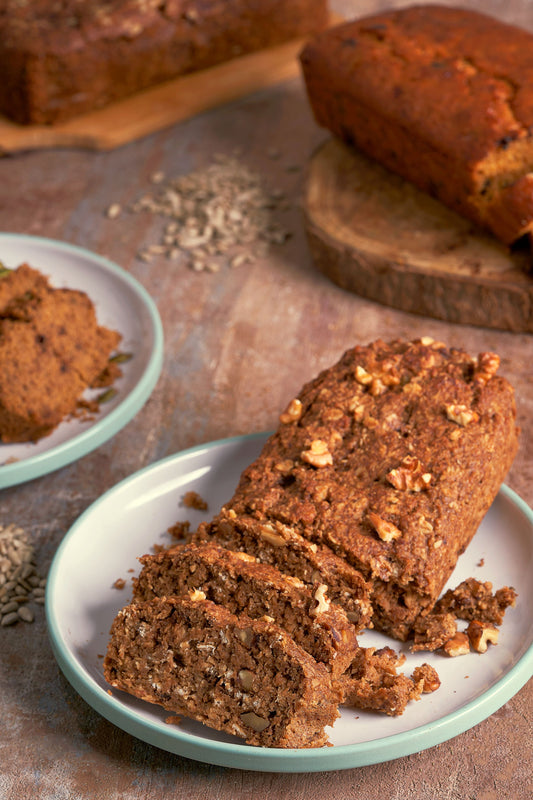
[121,303]
[128,520]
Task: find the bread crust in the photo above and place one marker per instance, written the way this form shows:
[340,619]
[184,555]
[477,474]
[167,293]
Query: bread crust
[61,60]
[441,96]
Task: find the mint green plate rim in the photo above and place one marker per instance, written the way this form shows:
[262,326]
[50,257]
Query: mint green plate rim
[102,430]
[245,757]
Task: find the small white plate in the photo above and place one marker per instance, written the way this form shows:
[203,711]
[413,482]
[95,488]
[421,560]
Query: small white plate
[104,544]
[121,303]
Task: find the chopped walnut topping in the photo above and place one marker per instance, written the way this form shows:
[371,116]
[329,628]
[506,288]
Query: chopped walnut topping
[458,645]
[292,413]
[409,475]
[322,600]
[362,376]
[196,595]
[385,530]
[318,454]
[358,410]
[461,414]
[486,367]
[268,532]
[481,634]
[429,677]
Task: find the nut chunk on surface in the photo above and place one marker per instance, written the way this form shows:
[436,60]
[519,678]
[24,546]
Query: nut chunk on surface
[242,676]
[481,634]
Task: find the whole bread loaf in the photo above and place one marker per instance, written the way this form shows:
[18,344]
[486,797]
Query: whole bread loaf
[442,96]
[61,59]
[391,458]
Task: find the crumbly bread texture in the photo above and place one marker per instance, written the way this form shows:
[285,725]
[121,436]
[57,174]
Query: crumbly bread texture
[246,677]
[62,59]
[271,542]
[475,600]
[373,683]
[390,458]
[51,350]
[245,586]
[440,95]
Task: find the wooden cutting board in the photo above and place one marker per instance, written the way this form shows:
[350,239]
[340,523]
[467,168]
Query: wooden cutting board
[161,106]
[376,235]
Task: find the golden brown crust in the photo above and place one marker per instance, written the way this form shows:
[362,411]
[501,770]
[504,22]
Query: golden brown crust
[405,85]
[420,438]
[59,60]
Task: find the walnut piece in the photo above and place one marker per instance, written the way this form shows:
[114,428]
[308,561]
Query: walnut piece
[318,454]
[481,634]
[385,530]
[458,645]
[409,476]
[292,413]
[322,600]
[362,376]
[487,366]
[268,533]
[461,414]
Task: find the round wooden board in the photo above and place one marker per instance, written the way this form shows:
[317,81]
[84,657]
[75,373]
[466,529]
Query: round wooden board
[376,235]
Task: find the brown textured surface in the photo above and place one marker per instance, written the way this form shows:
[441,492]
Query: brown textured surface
[385,415]
[243,585]
[189,658]
[238,345]
[51,350]
[440,96]
[65,59]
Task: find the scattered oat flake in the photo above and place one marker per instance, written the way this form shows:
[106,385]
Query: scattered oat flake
[120,583]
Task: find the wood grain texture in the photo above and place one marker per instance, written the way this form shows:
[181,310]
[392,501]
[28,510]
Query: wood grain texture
[376,235]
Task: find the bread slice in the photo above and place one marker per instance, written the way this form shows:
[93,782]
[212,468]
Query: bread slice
[272,542]
[246,677]
[245,586]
